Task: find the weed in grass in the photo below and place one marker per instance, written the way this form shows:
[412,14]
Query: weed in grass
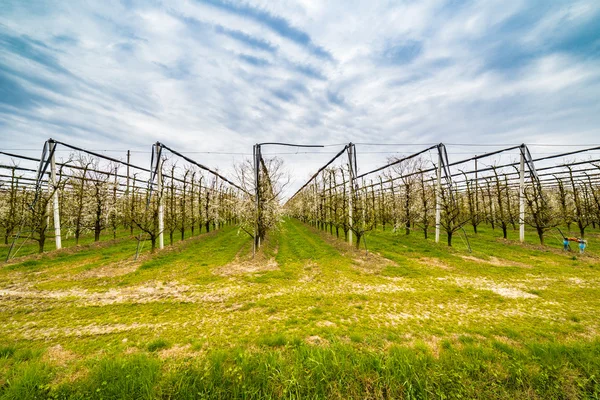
[26,265]
[276,340]
[26,354]
[247,306]
[446,344]
[121,378]
[574,318]
[7,351]
[466,339]
[27,381]
[317,311]
[157,344]
[356,338]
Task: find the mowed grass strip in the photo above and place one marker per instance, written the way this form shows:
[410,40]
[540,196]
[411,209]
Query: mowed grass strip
[309,317]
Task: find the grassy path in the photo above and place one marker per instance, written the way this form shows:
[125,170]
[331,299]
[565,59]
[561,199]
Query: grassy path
[309,317]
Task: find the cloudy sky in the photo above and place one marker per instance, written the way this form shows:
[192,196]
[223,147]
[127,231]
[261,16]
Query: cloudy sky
[220,75]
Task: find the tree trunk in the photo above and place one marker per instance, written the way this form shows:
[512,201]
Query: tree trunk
[41,243]
[450,239]
[407,210]
[97,229]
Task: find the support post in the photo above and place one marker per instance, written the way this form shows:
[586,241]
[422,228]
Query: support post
[219,194]
[438,197]
[256,195]
[316,205]
[351,190]
[55,203]
[128,162]
[159,188]
[522,195]
[476,189]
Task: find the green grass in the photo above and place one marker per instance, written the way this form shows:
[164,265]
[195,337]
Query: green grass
[157,344]
[310,317]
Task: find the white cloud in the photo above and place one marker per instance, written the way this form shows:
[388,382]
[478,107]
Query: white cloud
[164,71]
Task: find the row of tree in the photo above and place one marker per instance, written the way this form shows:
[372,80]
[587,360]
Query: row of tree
[404,198]
[95,199]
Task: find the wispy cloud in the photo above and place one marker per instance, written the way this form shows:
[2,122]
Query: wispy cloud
[274,22]
[246,39]
[217,74]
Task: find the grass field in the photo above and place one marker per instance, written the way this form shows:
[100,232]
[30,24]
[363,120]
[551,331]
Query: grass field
[309,317]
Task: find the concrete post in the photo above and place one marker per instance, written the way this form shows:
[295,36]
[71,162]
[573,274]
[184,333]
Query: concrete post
[128,162]
[256,196]
[438,197]
[159,188]
[350,191]
[55,203]
[522,195]
[219,194]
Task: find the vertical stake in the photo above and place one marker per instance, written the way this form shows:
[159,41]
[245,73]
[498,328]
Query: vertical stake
[56,219]
[159,187]
[128,162]
[351,190]
[438,197]
[256,195]
[316,205]
[219,194]
[522,195]
[476,190]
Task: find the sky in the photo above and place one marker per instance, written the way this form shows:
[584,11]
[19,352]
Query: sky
[219,75]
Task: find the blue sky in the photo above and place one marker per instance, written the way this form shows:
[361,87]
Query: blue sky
[221,75]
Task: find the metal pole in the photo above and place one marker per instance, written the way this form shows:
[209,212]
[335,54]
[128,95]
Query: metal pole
[522,195]
[55,203]
[438,197]
[159,188]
